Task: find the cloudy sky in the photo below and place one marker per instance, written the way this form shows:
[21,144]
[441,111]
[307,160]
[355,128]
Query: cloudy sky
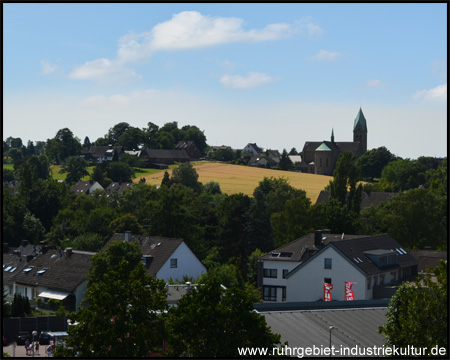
[274,74]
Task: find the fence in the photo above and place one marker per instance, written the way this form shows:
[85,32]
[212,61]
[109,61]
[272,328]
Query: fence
[11,326]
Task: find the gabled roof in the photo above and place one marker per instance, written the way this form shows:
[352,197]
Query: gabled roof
[167,154]
[297,248]
[120,187]
[358,248]
[428,258]
[64,272]
[184,144]
[360,119]
[372,198]
[101,151]
[255,147]
[82,187]
[352,247]
[160,248]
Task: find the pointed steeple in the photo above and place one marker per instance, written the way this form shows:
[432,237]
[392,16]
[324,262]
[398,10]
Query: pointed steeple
[360,119]
[332,135]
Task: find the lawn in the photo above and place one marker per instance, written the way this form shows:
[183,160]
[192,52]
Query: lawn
[235,178]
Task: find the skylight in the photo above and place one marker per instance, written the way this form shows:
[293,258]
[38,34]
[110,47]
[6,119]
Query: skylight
[13,269]
[403,250]
[8,268]
[27,270]
[40,272]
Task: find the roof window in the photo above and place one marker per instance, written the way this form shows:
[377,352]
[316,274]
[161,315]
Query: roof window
[8,268]
[43,270]
[27,270]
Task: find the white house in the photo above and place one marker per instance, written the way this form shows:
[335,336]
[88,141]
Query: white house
[298,270]
[252,148]
[165,258]
[86,187]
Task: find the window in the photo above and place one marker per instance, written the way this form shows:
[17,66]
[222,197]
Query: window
[369,283]
[270,273]
[173,263]
[393,275]
[270,293]
[327,263]
[327,281]
[283,293]
[381,279]
[285,272]
[327,162]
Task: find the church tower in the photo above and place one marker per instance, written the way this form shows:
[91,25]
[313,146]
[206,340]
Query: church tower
[360,130]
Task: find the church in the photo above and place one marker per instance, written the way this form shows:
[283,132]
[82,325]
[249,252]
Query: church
[320,157]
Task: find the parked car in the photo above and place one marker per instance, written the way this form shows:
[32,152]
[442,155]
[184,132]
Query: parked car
[44,338]
[22,336]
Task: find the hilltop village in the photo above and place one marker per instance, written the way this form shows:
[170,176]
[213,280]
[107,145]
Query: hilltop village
[87,240]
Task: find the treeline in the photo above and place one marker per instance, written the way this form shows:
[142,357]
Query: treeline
[64,144]
[220,228]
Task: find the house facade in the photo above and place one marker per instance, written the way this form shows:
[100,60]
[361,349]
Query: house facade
[191,149]
[297,271]
[99,154]
[157,157]
[164,258]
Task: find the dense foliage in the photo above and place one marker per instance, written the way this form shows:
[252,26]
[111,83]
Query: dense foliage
[417,313]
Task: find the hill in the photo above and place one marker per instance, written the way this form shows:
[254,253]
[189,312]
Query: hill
[236,178]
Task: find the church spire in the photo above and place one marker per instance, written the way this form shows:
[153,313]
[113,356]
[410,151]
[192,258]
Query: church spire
[332,135]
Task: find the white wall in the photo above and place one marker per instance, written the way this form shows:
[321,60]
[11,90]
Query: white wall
[307,283]
[279,280]
[187,264]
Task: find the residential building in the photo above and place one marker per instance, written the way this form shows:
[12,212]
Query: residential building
[191,149]
[54,274]
[98,154]
[120,187]
[158,158]
[86,187]
[298,270]
[164,258]
[252,148]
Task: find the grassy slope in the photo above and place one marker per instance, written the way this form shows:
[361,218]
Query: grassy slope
[235,179]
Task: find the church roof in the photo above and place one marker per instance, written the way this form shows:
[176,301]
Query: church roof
[323,147]
[361,120]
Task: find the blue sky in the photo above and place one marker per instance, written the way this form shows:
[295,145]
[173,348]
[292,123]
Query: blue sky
[274,74]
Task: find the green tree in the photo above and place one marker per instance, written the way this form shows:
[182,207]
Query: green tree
[344,187]
[417,313]
[150,135]
[211,321]
[193,133]
[119,172]
[372,162]
[75,167]
[116,132]
[63,145]
[123,304]
[213,187]
[401,175]
[87,242]
[285,162]
[131,139]
[126,222]
[186,175]
[20,306]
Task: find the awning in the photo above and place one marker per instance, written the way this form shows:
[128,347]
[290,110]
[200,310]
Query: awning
[54,294]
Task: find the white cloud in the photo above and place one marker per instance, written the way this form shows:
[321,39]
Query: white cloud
[324,55]
[104,71]
[252,80]
[185,30]
[47,67]
[438,93]
[375,83]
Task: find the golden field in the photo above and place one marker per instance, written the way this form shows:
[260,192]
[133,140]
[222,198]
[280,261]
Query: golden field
[244,179]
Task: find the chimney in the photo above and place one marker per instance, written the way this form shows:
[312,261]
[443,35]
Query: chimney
[127,235]
[318,239]
[29,257]
[24,243]
[68,251]
[188,286]
[5,247]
